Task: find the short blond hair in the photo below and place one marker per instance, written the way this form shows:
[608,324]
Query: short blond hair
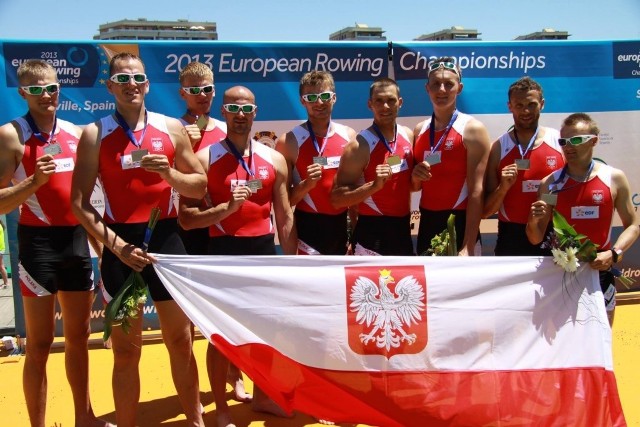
[196,69]
[35,68]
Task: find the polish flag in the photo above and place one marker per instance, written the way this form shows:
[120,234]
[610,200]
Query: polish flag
[409,341]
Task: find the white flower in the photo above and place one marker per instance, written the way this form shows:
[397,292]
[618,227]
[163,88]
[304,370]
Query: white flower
[572,261]
[142,299]
[560,257]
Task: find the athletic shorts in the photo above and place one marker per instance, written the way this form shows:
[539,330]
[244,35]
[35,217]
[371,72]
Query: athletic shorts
[608,286]
[433,223]
[385,235]
[513,241]
[242,245]
[326,234]
[196,241]
[164,240]
[54,259]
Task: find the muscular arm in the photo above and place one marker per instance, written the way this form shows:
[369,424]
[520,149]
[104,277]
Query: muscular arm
[496,188]
[626,212]
[421,170]
[354,160]
[287,234]
[193,214]
[11,151]
[287,145]
[539,215]
[476,140]
[187,177]
[82,185]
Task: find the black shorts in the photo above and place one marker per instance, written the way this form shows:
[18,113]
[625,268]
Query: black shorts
[513,241]
[326,234]
[608,287]
[385,235]
[433,223]
[196,241]
[54,259]
[233,245]
[164,240]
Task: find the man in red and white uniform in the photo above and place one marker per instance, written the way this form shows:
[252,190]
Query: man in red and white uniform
[450,150]
[519,159]
[586,193]
[198,92]
[375,174]
[140,157]
[246,180]
[37,156]
[313,151]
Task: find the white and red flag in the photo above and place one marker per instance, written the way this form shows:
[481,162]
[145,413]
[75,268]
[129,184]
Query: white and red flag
[410,341]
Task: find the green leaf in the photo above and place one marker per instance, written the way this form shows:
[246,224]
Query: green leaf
[113,306]
[452,247]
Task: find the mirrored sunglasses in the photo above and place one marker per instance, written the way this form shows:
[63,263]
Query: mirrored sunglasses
[445,65]
[124,78]
[197,90]
[37,90]
[313,97]
[575,140]
[235,108]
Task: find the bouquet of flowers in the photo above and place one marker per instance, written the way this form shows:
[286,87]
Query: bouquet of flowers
[126,303]
[568,247]
[444,244]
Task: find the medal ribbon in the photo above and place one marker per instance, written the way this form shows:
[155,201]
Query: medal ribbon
[36,131]
[384,140]
[432,130]
[531,142]
[123,124]
[247,167]
[320,150]
[563,176]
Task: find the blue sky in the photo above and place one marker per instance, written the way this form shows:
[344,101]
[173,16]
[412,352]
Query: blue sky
[305,20]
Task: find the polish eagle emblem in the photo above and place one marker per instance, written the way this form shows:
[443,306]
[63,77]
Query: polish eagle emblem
[387,313]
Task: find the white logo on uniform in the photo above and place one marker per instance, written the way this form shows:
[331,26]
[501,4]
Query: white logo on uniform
[263,172]
[598,196]
[552,162]
[448,145]
[72,146]
[156,144]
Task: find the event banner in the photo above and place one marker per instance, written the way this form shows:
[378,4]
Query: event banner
[409,341]
[598,77]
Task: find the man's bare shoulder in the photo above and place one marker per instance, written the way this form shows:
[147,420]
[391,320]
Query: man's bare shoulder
[9,136]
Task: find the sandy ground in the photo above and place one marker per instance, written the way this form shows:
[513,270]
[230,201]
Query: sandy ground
[159,404]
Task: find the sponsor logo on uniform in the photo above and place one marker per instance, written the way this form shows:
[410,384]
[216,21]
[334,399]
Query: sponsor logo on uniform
[73,146]
[585,212]
[156,144]
[386,310]
[552,163]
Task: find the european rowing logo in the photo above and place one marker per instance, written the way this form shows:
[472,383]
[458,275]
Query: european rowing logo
[386,316]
